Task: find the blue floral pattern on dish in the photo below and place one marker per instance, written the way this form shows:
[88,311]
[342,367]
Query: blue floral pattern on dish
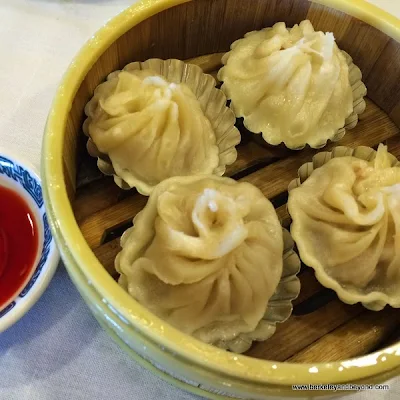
[7,309]
[29,183]
[20,175]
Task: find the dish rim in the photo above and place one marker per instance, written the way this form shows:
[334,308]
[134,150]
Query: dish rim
[68,235]
[43,270]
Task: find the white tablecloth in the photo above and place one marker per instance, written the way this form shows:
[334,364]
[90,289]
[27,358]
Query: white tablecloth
[58,351]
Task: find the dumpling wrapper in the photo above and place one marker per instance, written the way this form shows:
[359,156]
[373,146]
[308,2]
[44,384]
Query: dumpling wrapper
[346,224]
[151,129]
[292,85]
[205,255]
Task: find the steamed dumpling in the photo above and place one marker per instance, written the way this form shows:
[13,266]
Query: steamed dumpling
[346,224]
[205,255]
[292,85]
[151,129]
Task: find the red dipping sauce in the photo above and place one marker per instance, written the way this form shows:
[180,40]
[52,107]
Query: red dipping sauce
[18,244]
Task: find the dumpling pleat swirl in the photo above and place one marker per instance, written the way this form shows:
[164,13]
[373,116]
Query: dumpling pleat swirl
[291,85]
[346,223]
[151,129]
[205,255]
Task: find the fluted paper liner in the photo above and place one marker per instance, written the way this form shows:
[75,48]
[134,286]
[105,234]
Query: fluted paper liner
[212,101]
[359,105]
[375,301]
[279,306]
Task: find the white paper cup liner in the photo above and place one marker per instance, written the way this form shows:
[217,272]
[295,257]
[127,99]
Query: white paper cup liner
[279,306]
[375,300]
[212,101]
[359,92]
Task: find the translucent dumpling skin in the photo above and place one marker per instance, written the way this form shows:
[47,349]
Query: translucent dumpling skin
[205,255]
[151,129]
[292,85]
[346,224]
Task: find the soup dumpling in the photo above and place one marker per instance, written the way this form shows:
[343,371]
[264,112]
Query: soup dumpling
[292,85]
[150,129]
[205,254]
[346,224]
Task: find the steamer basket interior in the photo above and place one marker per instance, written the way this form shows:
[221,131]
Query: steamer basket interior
[322,329]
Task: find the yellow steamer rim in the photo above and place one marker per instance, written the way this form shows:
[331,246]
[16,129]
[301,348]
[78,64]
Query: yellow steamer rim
[131,325]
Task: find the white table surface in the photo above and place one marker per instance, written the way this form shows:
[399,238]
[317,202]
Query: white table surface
[58,351]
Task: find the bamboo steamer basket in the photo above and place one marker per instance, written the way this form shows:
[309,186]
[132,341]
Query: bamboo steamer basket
[325,341]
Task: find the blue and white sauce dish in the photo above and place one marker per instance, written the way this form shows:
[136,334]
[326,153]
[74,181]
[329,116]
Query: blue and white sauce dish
[30,274]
